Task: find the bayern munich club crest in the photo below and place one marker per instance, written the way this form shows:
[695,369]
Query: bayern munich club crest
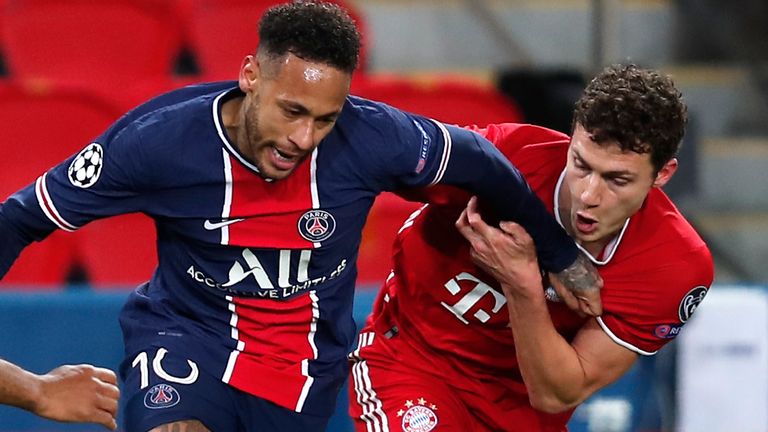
[419,416]
[316,225]
[161,396]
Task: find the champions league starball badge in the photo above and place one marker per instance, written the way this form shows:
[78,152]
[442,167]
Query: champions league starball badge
[85,168]
[316,225]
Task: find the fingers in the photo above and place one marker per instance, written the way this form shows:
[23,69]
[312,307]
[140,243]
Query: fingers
[105,419]
[475,219]
[590,303]
[566,296]
[105,375]
[107,398]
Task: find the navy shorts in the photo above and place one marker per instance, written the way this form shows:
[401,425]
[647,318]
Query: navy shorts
[161,386]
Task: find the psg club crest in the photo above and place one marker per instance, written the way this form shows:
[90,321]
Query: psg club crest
[316,225]
[690,302]
[85,169]
[419,416]
[161,396]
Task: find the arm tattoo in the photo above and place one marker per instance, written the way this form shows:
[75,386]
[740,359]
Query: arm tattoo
[581,276]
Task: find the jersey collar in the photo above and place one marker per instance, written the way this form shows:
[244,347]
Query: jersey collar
[217,120]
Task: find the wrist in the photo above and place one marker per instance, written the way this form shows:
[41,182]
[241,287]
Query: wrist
[526,290]
[32,397]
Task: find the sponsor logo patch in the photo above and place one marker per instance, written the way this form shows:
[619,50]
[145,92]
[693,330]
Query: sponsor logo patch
[316,225]
[211,225]
[85,169]
[161,396]
[667,331]
[426,143]
[690,302]
[419,416]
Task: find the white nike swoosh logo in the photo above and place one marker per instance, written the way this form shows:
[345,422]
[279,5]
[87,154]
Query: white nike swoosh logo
[211,226]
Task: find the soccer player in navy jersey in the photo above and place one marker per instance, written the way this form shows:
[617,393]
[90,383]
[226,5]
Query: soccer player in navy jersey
[70,393]
[259,190]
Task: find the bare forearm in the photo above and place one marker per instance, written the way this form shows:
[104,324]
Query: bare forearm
[18,387]
[550,367]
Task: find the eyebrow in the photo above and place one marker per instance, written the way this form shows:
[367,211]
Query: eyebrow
[304,110]
[610,174]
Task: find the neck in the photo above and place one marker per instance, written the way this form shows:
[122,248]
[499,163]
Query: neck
[231,117]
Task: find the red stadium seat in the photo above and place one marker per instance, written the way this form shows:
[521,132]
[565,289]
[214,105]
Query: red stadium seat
[222,32]
[106,44]
[119,251]
[41,127]
[450,100]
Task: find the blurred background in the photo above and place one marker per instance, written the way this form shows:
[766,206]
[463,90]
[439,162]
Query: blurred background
[68,68]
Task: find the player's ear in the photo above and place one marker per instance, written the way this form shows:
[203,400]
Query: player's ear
[249,73]
[665,173]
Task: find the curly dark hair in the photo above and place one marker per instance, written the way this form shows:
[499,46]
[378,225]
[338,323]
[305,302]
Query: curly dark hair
[311,30]
[640,109]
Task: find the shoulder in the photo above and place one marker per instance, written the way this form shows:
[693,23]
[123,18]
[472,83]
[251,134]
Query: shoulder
[661,272]
[150,138]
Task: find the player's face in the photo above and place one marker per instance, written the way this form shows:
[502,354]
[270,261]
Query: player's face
[604,186]
[290,106]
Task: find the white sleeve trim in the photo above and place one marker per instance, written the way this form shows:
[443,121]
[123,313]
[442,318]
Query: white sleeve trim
[447,143]
[626,345]
[46,204]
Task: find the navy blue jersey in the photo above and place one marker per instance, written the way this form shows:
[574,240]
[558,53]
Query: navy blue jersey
[260,274]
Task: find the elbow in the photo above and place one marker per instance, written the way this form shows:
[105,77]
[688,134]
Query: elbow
[550,404]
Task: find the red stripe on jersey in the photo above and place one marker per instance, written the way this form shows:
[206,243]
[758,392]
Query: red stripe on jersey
[44,200]
[277,337]
[271,209]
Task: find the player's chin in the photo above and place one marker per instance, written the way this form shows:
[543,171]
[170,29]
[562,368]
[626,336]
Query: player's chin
[276,174]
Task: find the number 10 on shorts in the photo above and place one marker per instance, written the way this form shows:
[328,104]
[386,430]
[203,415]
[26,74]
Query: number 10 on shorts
[142,360]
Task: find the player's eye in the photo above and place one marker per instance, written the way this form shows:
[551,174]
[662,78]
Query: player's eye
[326,121]
[291,113]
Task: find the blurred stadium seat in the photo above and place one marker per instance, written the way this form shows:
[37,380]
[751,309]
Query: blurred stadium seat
[43,126]
[109,45]
[446,98]
[222,32]
[118,252]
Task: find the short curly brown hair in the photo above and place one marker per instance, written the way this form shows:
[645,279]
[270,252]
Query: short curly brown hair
[640,109]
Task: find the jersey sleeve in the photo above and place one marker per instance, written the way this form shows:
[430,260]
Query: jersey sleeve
[646,308]
[425,152]
[102,179]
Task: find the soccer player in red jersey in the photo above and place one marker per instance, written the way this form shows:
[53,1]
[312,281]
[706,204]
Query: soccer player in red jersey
[465,336]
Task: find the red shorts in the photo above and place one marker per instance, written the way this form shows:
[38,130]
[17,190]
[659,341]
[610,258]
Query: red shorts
[395,388]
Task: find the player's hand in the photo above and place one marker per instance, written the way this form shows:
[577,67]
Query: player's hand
[506,253]
[81,393]
[579,286]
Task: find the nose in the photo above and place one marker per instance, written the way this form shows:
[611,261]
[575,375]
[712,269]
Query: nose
[303,136]
[591,194]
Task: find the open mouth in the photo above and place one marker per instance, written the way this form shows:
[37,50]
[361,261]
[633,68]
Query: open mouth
[282,160]
[585,224]
[284,156]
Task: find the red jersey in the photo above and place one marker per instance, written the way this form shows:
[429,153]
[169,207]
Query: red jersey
[454,316]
